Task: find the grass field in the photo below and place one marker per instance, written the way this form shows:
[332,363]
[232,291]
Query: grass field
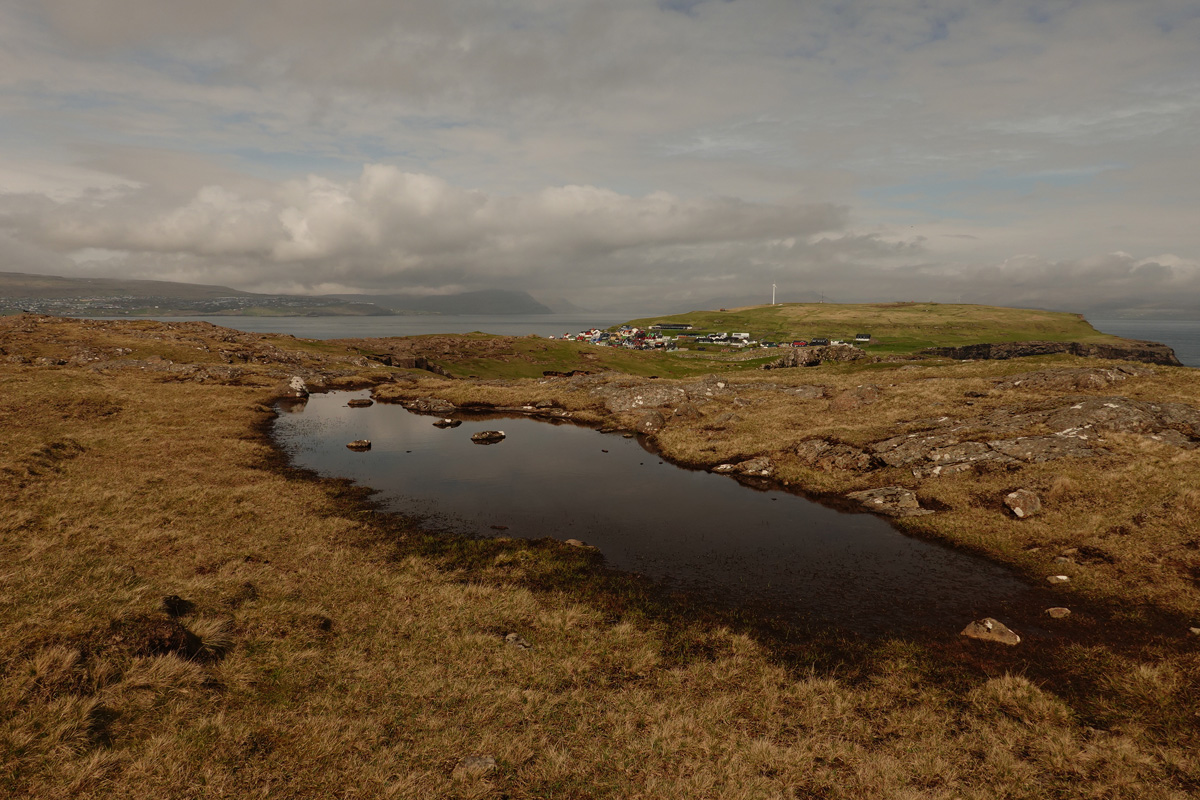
[330,650]
[894,327]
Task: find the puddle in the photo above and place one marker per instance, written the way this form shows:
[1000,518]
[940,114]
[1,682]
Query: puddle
[690,529]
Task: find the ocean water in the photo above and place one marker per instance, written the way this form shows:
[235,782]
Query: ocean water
[1182,335]
[415,325]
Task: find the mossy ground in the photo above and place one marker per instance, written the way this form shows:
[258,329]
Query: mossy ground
[347,653]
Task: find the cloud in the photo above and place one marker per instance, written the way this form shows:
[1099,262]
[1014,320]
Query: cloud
[622,150]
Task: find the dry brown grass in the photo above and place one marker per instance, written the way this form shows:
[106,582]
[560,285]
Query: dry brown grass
[345,654]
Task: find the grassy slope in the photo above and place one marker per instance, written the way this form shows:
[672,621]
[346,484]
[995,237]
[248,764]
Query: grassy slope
[349,654]
[895,327]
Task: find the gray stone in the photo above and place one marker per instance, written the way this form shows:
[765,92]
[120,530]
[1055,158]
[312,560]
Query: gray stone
[487,437]
[806,391]
[1058,579]
[894,501]
[756,466]
[1058,612]
[360,444]
[434,404]
[651,422]
[991,630]
[1023,503]
[829,456]
[515,640]
[293,387]
[360,402]
[1037,449]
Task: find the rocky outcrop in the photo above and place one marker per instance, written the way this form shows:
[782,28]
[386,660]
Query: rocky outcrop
[435,405]
[827,456]
[294,387]
[1146,352]
[756,467]
[894,501]
[651,422]
[632,394]
[812,356]
[1076,379]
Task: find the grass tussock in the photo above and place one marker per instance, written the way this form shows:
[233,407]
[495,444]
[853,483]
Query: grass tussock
[327,650]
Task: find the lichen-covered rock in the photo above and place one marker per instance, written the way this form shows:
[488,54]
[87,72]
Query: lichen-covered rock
[991,630]
[1023,503]
[429,404]
[293,387]
[651,422]
[827,456]
[894,501]
[487,437]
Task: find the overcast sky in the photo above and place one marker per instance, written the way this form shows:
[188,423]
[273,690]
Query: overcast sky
[621,154]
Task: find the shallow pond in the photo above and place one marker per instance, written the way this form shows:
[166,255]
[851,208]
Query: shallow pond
[689,529]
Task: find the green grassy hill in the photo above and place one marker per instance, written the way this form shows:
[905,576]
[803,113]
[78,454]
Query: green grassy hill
[894,327]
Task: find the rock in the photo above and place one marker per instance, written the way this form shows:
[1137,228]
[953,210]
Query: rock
[1058,612]
[360,402]
[686,410]
[1194,631]
[545,404]
[1147,352]
[434,404]
[487,437]
[473,767]
[360,444]
[1057,579]
[812,356]
[724,468]
[619,396]
[755,466]
[579,544]
[1037,449]
[447,423]
[1023,503]
[806,391]
[854,398]
[515,640]
[829,456]
[894,501]
[293,387]
[651,422]
[991,630]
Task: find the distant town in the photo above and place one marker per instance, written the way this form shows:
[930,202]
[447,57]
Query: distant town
[659,337]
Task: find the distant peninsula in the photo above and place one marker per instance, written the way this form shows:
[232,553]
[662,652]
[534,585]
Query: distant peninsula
[53,294]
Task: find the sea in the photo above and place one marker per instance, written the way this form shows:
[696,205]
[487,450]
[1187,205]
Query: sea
[1181,335]
[341,327]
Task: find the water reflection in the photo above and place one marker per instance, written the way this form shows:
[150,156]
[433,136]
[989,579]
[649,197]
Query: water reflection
[689,528]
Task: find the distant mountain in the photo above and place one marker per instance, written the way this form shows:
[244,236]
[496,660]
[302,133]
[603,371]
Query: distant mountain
[18,284]
[561,305]
[54,294]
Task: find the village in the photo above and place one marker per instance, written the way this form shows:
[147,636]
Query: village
[658,337]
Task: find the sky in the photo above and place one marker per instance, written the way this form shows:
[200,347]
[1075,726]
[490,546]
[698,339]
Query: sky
[634,155]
